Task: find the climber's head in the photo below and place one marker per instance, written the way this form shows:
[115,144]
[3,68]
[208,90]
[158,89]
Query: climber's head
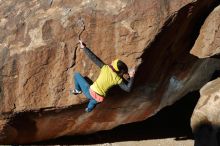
[120,67]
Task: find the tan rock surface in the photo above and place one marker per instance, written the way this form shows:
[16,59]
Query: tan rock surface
[205,120]
[207,44]
[37,60]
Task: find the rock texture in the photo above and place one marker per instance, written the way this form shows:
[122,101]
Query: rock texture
[205,120]
[38,58]
[207,44]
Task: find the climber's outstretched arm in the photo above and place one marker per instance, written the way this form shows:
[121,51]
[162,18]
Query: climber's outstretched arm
[91,55]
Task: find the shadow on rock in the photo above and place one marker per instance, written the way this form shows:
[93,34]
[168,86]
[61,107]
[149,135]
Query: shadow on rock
[207,135]
[171,122]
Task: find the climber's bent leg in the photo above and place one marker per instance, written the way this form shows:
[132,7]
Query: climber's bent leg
[78,78]
[82,85]
[91,105]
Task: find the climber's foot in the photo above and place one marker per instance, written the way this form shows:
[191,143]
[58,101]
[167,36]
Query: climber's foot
[75,92]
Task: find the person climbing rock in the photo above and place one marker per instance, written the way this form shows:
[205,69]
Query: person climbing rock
[114,74]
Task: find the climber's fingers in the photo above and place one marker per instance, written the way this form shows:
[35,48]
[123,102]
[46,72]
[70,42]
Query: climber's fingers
[131,72]
[82,45]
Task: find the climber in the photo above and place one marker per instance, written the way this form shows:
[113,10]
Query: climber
[114,74]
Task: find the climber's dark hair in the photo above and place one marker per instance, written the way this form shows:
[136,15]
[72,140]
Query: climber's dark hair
[122,67]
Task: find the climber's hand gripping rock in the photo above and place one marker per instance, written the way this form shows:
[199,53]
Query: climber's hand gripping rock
[82,45]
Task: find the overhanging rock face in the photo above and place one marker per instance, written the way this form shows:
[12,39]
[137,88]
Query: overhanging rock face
[38,58]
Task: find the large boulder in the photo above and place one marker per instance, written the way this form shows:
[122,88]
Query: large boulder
[38,57]
[205,120]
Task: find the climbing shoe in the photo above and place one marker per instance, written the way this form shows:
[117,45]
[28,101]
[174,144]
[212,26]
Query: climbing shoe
[87,110]
[75,92]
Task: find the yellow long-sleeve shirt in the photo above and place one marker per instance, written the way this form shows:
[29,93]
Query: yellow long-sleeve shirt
[107,78]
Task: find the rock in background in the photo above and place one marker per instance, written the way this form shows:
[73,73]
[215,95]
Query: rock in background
[205,121]
[207,44]
[38,59]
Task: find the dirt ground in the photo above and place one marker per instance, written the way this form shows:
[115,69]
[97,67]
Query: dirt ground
[155,142]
